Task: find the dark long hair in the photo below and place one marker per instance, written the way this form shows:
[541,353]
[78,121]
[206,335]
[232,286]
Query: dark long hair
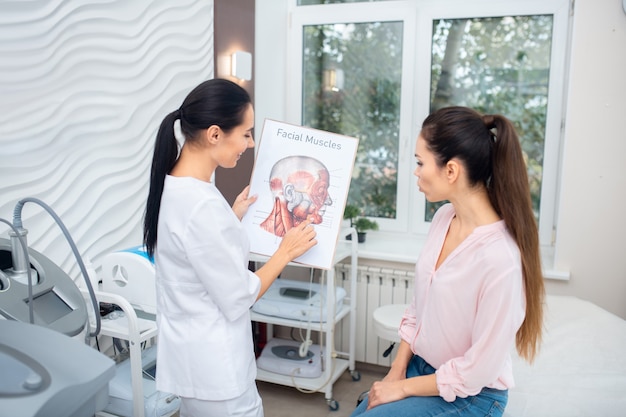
[490,150]
[214,102]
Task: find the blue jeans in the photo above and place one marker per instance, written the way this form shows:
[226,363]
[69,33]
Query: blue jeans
[488,403]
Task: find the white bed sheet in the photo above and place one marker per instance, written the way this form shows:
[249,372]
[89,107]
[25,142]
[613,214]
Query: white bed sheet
[580,369]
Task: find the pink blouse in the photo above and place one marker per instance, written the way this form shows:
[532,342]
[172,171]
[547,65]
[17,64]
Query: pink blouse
[465,314]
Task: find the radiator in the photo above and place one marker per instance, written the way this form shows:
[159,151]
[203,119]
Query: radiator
[376,286]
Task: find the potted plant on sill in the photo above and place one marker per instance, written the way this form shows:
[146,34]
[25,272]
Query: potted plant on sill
[361,224]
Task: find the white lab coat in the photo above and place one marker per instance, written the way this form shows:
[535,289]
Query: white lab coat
[204,294]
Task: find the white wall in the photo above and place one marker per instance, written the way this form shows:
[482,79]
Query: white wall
[591,225]
[270,62]
[84,86]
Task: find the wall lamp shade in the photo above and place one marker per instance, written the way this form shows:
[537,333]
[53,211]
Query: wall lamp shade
[332,79]
[241,65]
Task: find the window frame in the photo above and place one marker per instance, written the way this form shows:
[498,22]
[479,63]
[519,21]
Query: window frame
[418,19]
[394,11]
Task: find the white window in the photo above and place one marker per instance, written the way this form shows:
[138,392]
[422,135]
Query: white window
[375,70]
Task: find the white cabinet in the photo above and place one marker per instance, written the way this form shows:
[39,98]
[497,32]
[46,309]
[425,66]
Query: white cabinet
[334,363]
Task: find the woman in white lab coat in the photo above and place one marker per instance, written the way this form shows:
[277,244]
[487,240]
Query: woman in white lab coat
[204,288]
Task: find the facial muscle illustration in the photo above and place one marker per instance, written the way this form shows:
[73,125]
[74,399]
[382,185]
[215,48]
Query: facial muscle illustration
[299,185]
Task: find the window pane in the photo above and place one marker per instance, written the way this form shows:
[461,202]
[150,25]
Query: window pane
[351,86]
[497,65]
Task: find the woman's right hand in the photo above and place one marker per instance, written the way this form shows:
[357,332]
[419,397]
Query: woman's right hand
[298,240]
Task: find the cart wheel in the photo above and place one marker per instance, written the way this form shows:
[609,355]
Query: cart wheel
[333,405]
[356,376]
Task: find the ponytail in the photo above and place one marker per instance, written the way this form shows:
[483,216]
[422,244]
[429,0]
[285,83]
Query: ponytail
[495,161]
[213,102]
[163,160]
[509,193]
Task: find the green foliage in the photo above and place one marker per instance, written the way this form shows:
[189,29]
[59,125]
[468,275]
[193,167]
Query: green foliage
[351,212]
[504,62]
[361,224]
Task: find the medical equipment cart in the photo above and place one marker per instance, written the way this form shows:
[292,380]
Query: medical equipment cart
[335,363]
[137,331]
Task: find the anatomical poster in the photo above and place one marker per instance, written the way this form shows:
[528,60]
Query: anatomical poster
[299,173]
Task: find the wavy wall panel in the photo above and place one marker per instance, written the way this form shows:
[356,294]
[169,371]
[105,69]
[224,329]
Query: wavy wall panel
[84,85]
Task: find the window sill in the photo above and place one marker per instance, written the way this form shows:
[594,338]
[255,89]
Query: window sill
[403,248]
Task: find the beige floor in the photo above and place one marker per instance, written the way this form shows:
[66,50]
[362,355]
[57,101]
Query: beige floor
[284,401]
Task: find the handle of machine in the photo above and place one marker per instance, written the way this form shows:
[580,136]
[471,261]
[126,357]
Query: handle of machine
[20,237]
[17,224]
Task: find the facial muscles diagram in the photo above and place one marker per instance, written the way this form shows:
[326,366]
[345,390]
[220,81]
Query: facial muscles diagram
[299,186]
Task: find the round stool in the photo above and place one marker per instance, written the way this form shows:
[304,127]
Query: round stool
[387,321]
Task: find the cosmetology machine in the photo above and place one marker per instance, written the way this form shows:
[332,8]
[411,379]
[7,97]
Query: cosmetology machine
[49,372]
[297,300]
[302,301]
[287,357]
[130,273]
[53,300]
[45,372]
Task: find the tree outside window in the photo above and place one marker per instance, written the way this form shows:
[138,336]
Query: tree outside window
[497,65]
[351,86]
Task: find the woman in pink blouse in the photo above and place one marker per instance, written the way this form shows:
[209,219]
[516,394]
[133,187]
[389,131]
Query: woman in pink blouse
[478,284]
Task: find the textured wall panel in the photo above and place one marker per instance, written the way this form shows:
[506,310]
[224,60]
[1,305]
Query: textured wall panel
[84,86]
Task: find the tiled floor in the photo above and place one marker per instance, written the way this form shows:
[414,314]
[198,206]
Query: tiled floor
[284,401]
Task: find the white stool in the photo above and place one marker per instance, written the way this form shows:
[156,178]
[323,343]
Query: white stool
[387,321]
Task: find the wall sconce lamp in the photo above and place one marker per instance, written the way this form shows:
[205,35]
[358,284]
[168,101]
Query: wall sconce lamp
[241,65]
[332,80]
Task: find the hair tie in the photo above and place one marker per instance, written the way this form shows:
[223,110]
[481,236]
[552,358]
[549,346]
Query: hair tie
[180,113]
[489,121]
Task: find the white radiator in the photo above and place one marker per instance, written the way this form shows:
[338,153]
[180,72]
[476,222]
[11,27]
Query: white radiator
[376,286]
